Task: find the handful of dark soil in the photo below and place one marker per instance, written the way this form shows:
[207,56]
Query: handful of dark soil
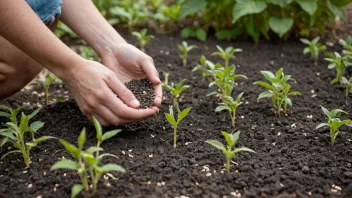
[143,90]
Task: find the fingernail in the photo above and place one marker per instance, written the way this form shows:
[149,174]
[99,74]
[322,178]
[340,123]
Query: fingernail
[135,103]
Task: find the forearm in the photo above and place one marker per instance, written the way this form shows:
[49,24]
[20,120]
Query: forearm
[21,26]
[84,18]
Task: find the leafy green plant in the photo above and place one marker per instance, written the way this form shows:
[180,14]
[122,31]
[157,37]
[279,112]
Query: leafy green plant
[347,45]
[334,122]
[202,66]
[89,54]
[46,85]
[16,133]
[176,90]
[229,151]
[278,89]
[340,64]
[62,29]
[230,105]
[227,54]
[314,48]
[348,84]
[143,38]
[190,32]
[88,162]
[185,49]
[170,117]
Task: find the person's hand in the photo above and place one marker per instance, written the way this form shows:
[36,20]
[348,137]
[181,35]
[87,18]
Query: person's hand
[99,92]
[130,63]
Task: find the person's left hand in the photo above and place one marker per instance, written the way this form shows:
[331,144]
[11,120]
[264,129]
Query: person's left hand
[129,63]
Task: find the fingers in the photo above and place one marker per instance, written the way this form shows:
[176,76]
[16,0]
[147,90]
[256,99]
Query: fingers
[153,75]
[123,93]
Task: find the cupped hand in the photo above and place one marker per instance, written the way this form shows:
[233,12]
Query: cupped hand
[99,92]
[130,63]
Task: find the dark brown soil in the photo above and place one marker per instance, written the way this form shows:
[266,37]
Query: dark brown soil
[143,90]
[293,159]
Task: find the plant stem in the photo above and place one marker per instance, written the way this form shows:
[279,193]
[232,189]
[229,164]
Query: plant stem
[83,175]
[332,136]
[185,62]
[278,109]
[176,104]
[47,95]
[228,163]
[175,136]
[285,108]
[142,48]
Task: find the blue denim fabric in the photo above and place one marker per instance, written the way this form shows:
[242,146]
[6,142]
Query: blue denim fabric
[47,10]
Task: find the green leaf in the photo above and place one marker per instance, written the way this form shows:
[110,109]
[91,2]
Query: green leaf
[216,144]
[246,7]
[170,119]
[280,25]
[321,125]
[243,149]
[201,34]
[81,139]
[65,164]
[183,114]
[98,128]
[228,138]
[110,134]
[264,84]
[94,149]
[338,11]
[34,113]
[43,138]
[310,6]
[70,148]
[190,7]
[37,125]
[8,135]
[3,107]
[326,112]
[106,155]
[235,136]
[294,93]
[76,189]
[112,167]
[265,94]
[221,108]
[340,3]
[8,153]
[288,101]
[4,114]
[281,3]
[268,75]
[187,32]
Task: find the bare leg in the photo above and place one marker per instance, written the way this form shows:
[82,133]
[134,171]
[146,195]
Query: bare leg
[16,68]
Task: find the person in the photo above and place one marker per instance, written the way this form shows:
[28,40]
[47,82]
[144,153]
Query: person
[27,44]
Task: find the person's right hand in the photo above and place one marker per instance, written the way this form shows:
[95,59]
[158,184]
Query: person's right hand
[99,93]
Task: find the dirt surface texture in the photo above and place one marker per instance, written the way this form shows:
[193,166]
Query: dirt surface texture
[143,90]
[292,158]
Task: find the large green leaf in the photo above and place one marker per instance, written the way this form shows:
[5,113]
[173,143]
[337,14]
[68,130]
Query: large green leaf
[310,6]
[190,7]
[65,164]
[76,189]
[338,11]
[340,3]
[281,3]
[280,25]
[246,7]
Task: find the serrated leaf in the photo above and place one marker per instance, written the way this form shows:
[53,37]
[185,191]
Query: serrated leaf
[65,164]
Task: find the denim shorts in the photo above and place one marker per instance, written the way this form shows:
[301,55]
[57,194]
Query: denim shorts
[47,10]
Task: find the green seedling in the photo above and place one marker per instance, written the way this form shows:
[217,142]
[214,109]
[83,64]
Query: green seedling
[89,54]
[334,122]
[170,117]
[348,84]
[175,90]
[347,45]
[202,66]
[227,54]
[46,85]
[314,48]
[185,49]
[143,38]
[230,105]
[88,162]
[340,63]
[278,90]
[15,133]
[229,151]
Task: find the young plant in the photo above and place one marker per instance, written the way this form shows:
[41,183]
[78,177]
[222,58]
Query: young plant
[170,117]
[46,85]
[230,105]
[334,122]
[340,63]
[15,133]
[347,45]
[175,90]
[88,162]
[229,151]
[348,84]
[185,49]
[314,48]
[143,38]
[227,54]
[278,90]
[89,54]
[202,66]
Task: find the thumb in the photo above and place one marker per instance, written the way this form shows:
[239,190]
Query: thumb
[123,93]
[148,67]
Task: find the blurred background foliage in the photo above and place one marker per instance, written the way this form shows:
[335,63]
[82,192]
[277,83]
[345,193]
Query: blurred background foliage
[226,19]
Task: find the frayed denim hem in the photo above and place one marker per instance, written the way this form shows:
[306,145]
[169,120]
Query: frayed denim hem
[56,14]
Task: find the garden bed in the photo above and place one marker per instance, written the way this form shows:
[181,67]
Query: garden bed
[292,158]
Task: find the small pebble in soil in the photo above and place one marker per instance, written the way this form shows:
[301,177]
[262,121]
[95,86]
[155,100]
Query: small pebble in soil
[143,90]
[305,169]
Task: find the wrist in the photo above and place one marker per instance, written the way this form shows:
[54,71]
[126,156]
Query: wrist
[69,67]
